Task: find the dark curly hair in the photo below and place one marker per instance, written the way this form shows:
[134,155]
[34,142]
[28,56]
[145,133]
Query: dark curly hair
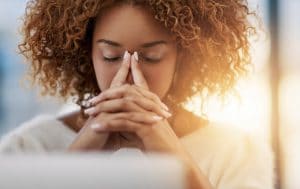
[212,36]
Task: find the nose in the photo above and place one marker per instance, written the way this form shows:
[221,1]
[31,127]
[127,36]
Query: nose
[129,78]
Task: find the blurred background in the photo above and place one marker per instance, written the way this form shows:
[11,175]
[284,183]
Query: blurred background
[269,97]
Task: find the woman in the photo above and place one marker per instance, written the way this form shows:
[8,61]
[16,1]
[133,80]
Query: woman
[131,64]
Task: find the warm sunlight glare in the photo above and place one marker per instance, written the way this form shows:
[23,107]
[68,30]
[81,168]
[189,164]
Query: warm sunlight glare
[290,132]
[250,112]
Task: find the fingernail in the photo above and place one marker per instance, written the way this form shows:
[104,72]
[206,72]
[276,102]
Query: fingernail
[136,56]
[126,55]
[95,99]
[92,101]
[168,114]
[87,104]
[89,111]
[165,106]
[157,118]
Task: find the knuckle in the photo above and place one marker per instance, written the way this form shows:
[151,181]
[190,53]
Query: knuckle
[125,103]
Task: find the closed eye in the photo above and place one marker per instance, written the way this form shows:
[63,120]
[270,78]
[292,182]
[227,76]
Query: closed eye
[151,60]
[146,59]
[114,59]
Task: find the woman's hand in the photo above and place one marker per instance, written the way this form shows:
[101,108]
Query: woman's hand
[87,138]
[133,108]
[127,98]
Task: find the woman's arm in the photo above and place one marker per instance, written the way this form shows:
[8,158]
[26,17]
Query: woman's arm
[119,109]
[157,136]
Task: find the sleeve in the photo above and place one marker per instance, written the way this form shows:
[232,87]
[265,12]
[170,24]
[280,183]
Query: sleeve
[14,143]
[41,134]
[9,144]
[248,165]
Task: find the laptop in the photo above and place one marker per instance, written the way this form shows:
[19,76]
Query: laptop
[90,171]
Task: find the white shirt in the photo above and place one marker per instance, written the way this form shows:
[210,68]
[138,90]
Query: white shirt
[230,158]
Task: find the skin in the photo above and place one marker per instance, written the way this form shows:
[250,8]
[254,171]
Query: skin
[142,34]
[133,87]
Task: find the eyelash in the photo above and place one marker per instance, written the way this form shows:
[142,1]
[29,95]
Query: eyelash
[111,59]
[118,58]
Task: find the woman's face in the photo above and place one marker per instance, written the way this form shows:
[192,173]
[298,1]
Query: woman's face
[133,28]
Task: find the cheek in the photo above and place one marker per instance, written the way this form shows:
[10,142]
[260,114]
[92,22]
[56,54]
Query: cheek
[159,77]
[104,73]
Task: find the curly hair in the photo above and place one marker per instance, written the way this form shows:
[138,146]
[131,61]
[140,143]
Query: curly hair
[212,35]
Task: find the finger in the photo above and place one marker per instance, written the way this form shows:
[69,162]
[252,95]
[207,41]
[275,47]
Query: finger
[140,117]
[114,105]
[141,82]
[129,90]
[124,104]
[120,77]
[148,94]
[87,139]
[120,125]
[149,105]
[137,74]
[112,93]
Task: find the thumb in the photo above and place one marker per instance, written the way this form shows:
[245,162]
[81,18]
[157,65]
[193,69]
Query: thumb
[137,74]
[120,77]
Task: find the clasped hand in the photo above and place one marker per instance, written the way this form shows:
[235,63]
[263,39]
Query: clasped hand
[133,108]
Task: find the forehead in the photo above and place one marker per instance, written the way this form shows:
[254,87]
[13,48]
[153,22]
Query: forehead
[129,24]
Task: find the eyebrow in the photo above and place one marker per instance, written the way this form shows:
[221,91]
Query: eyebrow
[144,45]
